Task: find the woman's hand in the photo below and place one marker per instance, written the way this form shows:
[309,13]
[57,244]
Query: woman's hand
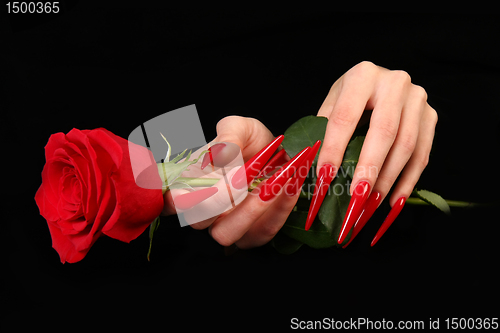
[398,141]
[256,219]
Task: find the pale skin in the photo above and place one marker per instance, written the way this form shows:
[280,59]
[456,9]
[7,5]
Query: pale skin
[398,143]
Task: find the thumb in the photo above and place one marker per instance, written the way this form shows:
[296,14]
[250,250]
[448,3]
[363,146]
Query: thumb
[248,133]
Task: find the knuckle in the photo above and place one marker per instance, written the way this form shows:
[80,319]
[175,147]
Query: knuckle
[342,117]
[364,68]
[387,129]
[408,143]
[400,77]
[423,161]
[227,120]
[420,93]
[433,116]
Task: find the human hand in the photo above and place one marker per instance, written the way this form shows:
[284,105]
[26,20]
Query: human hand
[257,218]
[398,141]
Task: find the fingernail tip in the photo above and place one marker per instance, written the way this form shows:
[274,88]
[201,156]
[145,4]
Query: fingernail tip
[340,240]
[375,239]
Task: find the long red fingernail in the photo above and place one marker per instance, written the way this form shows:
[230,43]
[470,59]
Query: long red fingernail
[300,175]
[396,209]
[191,199]
[274,184]
[246,174]
[325,177]
[212,152]
[359,196]
[275,162]
[369,208]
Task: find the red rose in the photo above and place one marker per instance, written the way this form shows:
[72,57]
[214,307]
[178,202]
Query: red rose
[88,189]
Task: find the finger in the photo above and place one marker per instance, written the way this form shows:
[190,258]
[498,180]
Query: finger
[384,126]
[205,212]
[239,178]
[405,142]
[226,230]
[343,107]
[229,229]
[420,157]
[268,225]
[248,133]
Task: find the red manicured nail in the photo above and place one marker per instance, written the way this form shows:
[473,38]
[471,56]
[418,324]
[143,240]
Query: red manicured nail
[295,184]
[369,208]
[274,184]
[191,199]
[212,152]
[246,174]
[359,196]
[396,209]
[275,162]
[325,177]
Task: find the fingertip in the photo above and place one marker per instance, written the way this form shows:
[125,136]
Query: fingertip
[327,157]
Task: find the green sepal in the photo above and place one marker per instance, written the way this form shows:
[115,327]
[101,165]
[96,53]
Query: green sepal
[152,228]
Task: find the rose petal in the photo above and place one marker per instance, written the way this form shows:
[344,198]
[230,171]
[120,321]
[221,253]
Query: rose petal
[137,207]
[47,210]
[64,247]
[87,237]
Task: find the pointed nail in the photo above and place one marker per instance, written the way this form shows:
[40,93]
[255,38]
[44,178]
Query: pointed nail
[275,162]
[273,185]
[358,198]
[191,199]
[246,174]
[396,209]
[369,208]
[325,177]
[212,153]
[295,184]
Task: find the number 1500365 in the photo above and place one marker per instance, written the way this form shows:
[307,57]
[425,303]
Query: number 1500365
[33,7]
[471,323]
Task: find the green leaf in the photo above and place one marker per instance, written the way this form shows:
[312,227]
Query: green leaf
[284,244]
[304,132]
[334,207]
[152,228]
[434,199]
[325,229]
[318,236]
[351,155]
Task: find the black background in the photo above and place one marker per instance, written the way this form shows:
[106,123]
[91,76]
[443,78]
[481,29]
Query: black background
[119,66]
